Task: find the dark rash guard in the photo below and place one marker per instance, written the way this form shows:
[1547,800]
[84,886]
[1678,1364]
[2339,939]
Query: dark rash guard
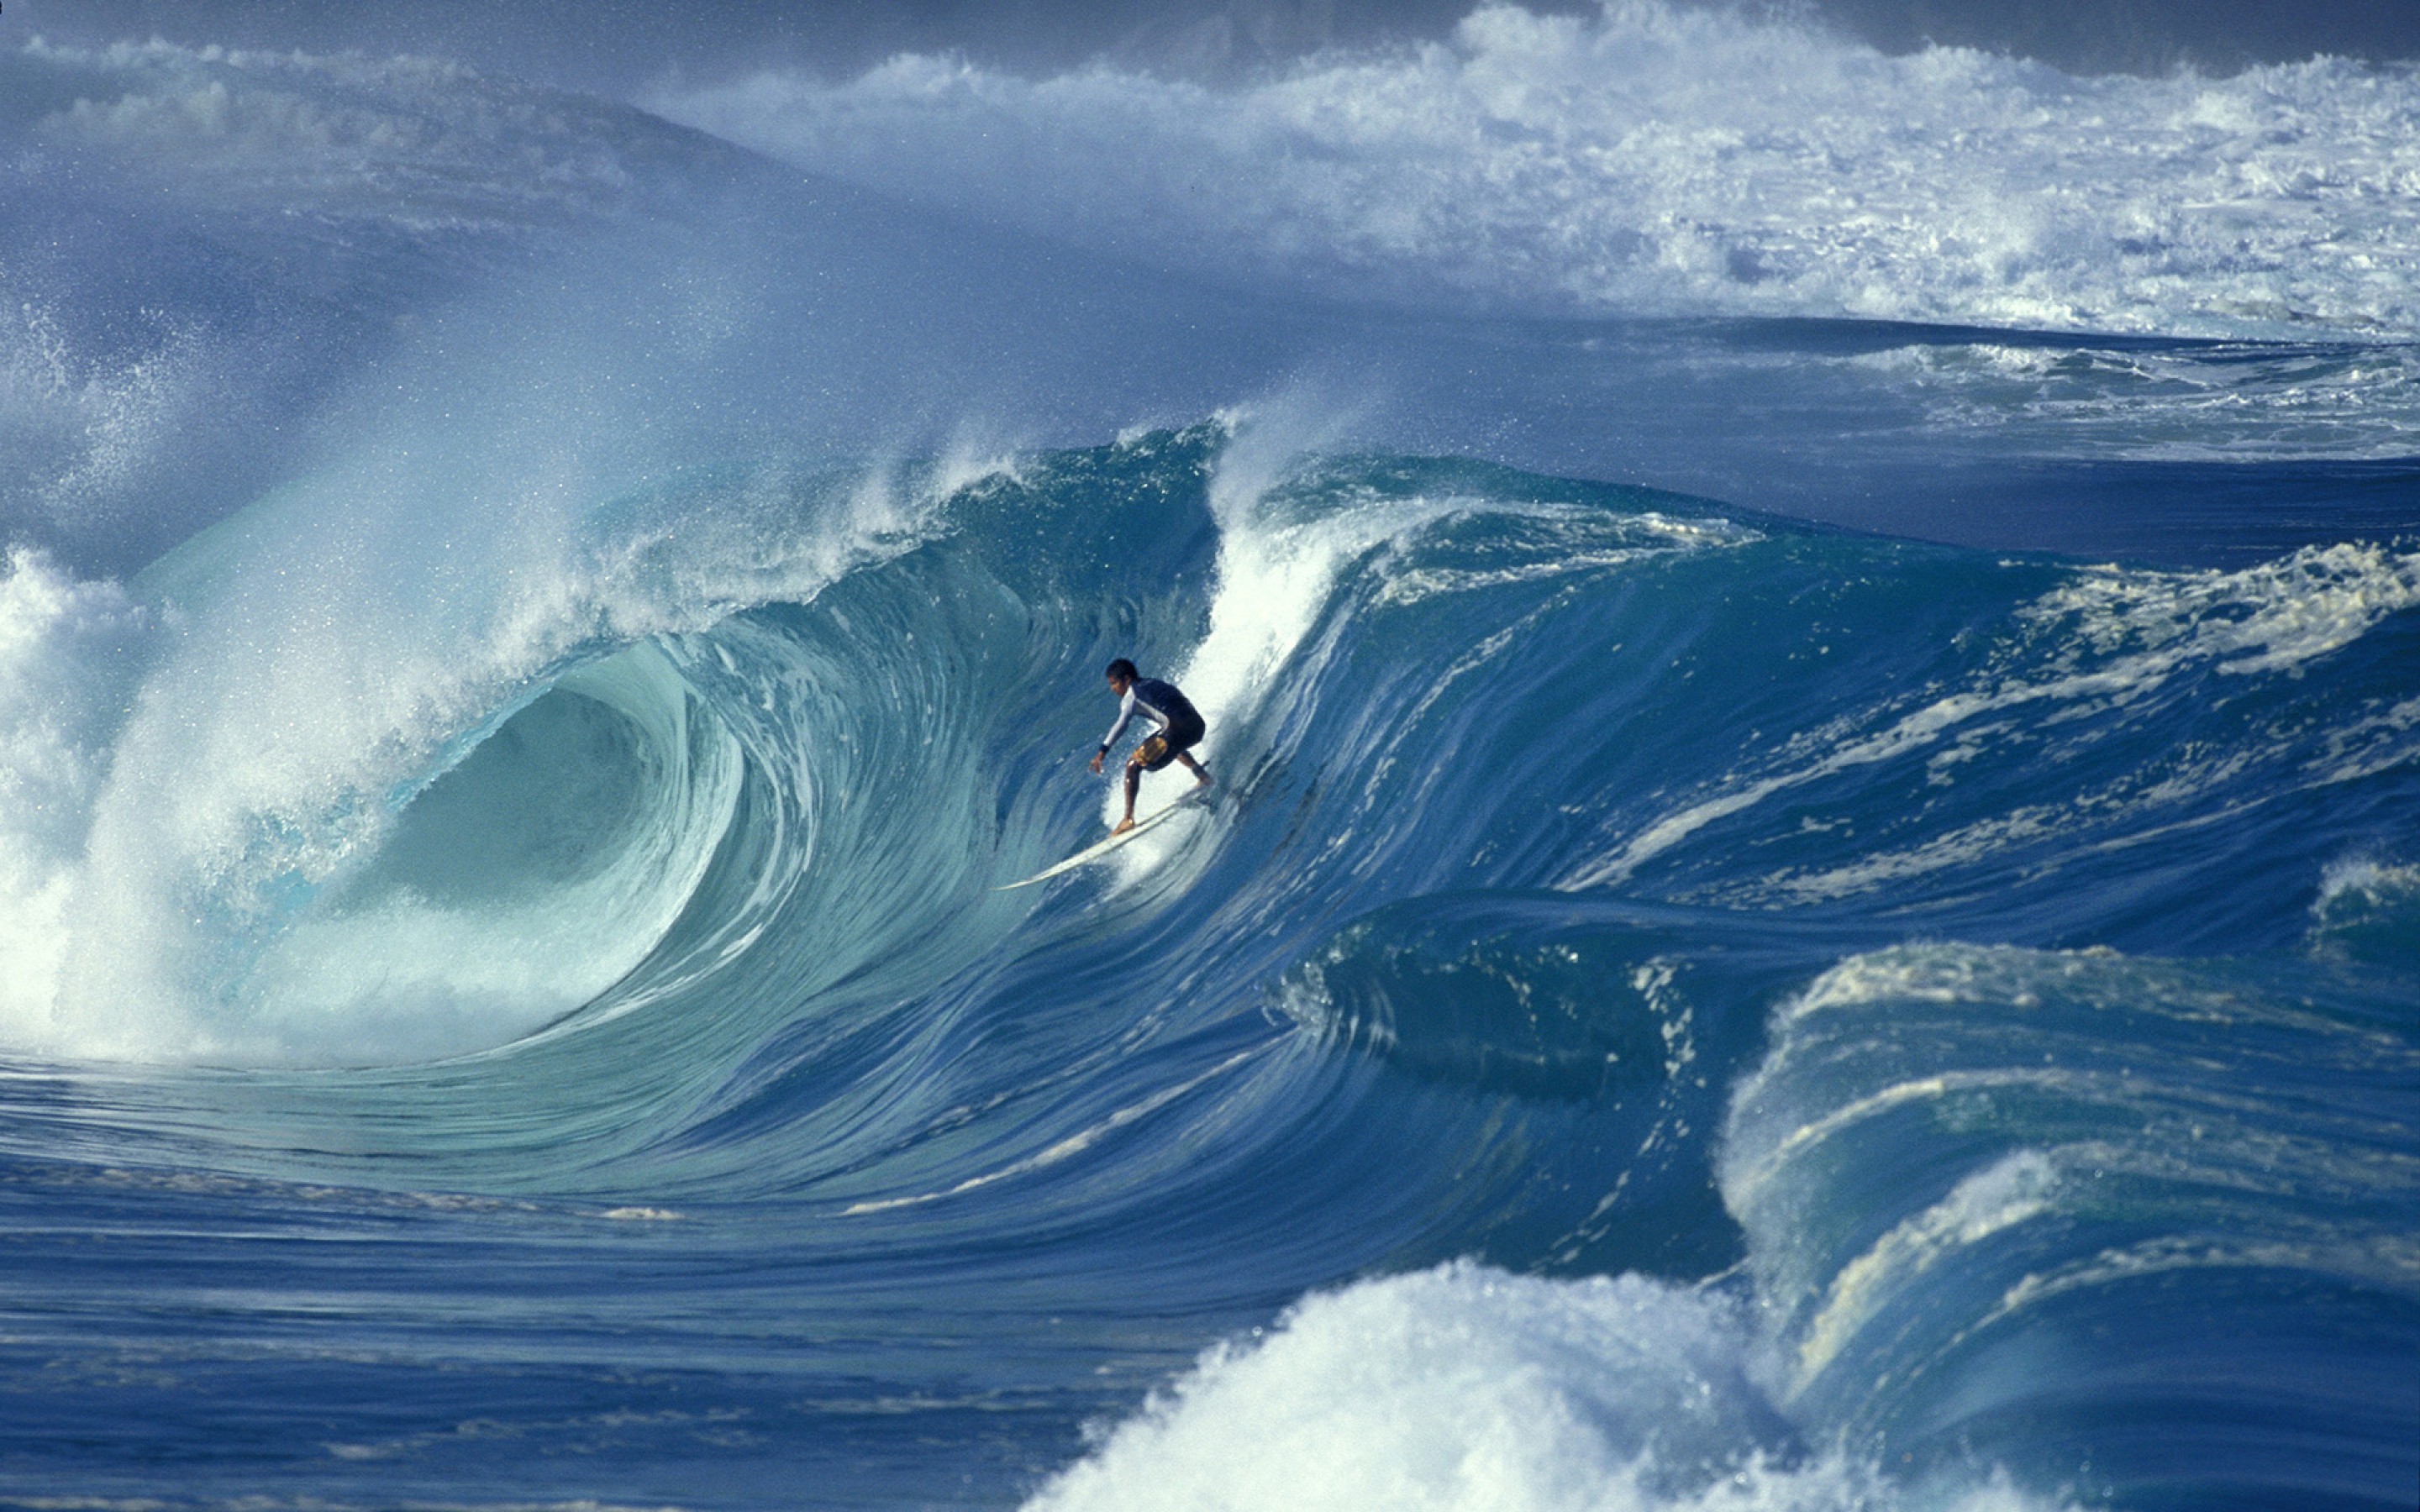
[1156,700]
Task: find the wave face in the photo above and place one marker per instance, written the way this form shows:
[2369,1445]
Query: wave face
[533,641]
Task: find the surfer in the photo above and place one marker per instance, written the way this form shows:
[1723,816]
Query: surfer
[1180,730]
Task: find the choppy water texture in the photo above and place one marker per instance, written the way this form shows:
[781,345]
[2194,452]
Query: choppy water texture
[1866,961]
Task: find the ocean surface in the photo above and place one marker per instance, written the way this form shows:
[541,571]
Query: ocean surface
[1813,668]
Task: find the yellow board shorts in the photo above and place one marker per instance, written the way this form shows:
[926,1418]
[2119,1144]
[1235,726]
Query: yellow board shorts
[1161,748]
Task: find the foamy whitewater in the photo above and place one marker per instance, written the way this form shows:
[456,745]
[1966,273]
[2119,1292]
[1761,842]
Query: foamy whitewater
[1813,668]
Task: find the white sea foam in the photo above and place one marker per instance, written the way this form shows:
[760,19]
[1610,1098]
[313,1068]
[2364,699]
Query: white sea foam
[1653,158]
[2368,909]
[2367,879]
[70,652]
[1465,1389]
[2263,619]
[1277,569]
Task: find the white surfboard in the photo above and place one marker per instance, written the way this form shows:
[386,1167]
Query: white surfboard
[1095,852]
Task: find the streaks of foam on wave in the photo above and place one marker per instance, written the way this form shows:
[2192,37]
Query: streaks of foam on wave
[1469,1388]
[2263,619]
[1072,1145]
[1654,159]
[1561,544]
[2106,640]
[1958,1162]
[2223,402]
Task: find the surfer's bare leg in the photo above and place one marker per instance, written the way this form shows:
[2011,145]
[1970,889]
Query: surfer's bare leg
[1134,782]
[1201,778]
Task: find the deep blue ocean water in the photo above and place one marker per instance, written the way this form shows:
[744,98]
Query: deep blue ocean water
[1813,900]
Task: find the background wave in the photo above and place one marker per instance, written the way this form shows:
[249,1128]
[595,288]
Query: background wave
[1657,160]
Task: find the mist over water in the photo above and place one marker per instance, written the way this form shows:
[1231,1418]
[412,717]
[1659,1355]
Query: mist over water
[1808,624]
[1650,160]
[617,47]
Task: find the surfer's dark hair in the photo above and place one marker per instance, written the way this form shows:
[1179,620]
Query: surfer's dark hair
[1121,668]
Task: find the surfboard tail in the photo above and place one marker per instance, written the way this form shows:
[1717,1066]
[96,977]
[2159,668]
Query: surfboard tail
[1194,797]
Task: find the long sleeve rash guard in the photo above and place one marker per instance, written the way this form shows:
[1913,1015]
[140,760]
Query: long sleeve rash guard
[1156,700]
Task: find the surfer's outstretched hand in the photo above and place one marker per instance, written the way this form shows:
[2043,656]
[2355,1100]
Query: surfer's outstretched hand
[1096,761]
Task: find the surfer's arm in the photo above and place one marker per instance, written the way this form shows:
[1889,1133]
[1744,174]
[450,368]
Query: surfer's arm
[1126,714]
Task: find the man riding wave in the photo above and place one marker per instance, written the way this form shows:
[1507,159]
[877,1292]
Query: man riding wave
[1180,728]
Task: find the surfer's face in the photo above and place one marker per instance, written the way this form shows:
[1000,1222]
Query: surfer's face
[1117,684]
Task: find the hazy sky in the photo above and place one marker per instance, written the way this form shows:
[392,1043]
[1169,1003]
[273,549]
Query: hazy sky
[617,45]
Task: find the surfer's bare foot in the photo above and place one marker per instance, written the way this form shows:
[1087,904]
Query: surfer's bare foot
[1124,824]
[1201,779]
